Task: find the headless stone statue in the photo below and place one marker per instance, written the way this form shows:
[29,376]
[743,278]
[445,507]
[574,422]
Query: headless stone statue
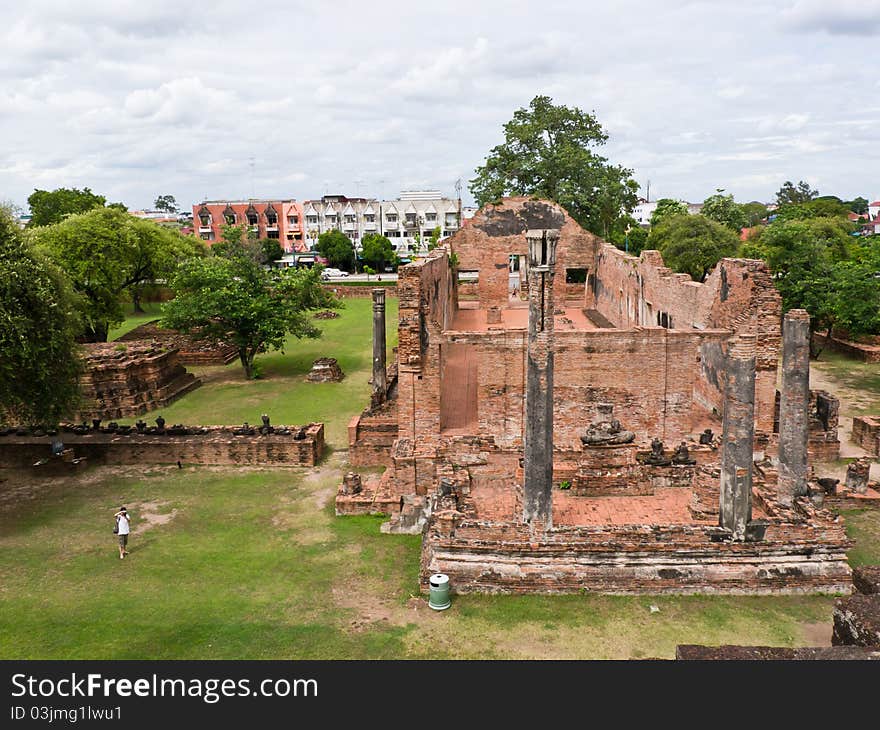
[682,456]
[605,430]
[706,437]
[657,457]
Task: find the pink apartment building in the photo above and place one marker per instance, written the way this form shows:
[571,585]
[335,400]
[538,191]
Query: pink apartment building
[280,219]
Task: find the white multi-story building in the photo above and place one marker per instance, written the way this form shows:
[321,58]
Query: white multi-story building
[408,222]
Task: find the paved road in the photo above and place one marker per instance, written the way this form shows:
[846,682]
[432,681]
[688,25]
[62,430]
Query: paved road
[360,277]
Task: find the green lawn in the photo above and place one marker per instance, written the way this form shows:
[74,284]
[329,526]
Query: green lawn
[859,382]
[227,398]
[253,564]
[151,312]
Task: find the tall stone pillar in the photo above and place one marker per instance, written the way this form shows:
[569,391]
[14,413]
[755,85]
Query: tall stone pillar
[794,402]
[737,436]
[538,446]
[380,385]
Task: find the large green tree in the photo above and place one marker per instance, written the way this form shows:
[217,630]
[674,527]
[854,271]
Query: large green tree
[337,248]
[166,203]
[230,297]
[549,152]
[754,212]
[52,206]
[40,363]
[810,262]
[858,205]
[693,244]
[666,208]
[108,255]
[378,251]
[800,193]
[722,209]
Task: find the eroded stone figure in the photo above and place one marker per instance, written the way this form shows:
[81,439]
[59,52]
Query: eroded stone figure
[657,456]
[681,455]
[605,430]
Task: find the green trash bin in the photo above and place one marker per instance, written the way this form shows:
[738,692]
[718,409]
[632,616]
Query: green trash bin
[438,595]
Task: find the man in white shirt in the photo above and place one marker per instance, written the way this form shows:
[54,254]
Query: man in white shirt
[123,527]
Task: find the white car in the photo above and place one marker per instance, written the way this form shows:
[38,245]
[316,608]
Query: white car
[333,274]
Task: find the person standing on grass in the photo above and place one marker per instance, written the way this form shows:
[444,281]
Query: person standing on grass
[123,526]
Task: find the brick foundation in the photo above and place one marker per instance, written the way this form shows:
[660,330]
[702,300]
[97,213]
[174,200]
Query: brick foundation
[866,433]
[215,446]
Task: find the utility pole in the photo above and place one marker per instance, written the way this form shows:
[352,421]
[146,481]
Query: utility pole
[458,195]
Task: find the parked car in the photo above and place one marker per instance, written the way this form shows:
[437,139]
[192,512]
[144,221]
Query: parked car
[331,273]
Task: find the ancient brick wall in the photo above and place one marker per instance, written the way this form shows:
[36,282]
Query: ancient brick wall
[217,446]
[359,292]
[498,231]
[738,296]
[866,433]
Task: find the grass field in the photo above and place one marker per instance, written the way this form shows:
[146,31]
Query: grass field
[252,563]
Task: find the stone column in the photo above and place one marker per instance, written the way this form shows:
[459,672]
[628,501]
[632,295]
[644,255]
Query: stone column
[794,404]
[737,436]
[380,385]
[538,441]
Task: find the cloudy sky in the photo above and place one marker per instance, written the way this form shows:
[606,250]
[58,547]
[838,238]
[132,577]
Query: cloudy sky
[224,99]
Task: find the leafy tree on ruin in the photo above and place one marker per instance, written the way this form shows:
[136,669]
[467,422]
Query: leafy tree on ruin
[109,255]
[434,238]
[337,248]
[549,152]
[378,251]
[722,209]
[229,297]
[666,208]
[50,207]
[800,193]
[39,322]
[693,244]
[166,203]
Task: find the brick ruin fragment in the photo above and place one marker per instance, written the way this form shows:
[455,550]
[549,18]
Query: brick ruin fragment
[191,351]
[661,470]
[128,379]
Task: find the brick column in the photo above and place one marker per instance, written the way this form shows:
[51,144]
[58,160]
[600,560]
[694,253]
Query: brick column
[538,437]
[380,385]
[737,436]
[794,402]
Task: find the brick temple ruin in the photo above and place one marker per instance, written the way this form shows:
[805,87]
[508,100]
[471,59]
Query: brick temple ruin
[624,434]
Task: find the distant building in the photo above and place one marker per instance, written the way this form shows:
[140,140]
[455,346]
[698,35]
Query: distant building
[407,222]
[874,209]
[278,219]
[643,211]
[159,216]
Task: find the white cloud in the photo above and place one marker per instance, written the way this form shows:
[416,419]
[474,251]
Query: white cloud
[841,17]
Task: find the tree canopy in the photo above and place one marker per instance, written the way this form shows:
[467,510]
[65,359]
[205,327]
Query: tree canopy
[800,193]
[693,244]
[107,253]
[337,248]
[858,205]
[49,207]
[39,322]
[722,209]
[817,266]
[230,297]
[549,152]
[378,251]
[667,207]
[166,203]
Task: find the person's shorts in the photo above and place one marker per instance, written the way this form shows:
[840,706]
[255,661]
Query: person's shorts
[123,540]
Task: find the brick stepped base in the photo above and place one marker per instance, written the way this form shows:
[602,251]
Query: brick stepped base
[190,350]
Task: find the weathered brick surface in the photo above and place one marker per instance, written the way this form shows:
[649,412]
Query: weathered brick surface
[358,292]
[866,579]
[769,653]
[217,446]
[866,433]
[191,351]
[865,351]
[857,621]
[128,379]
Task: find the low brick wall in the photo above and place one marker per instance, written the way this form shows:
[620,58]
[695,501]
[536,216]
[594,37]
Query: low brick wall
[862,351]
[696,652]
[217,446]
[359,292]
[857,621]
[370,438]
[866,433]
